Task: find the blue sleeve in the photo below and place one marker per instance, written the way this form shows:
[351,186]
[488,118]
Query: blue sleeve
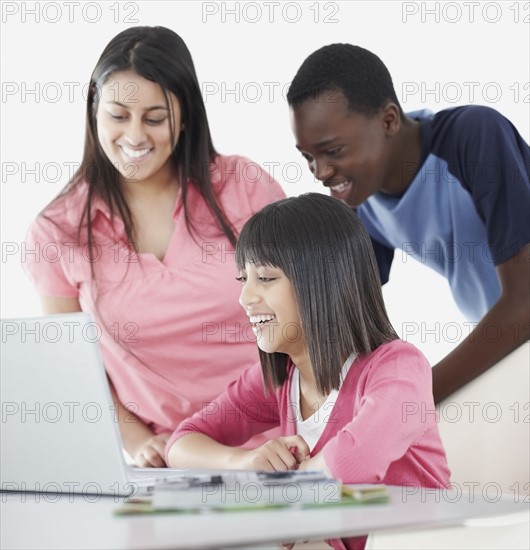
[492,161]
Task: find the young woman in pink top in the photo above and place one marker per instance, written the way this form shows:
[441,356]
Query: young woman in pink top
[143,238]
[350,396]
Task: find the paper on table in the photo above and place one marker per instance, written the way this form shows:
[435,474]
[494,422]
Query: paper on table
[255,493]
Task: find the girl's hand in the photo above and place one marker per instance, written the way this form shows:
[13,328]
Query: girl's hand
[283,453]
[151,453]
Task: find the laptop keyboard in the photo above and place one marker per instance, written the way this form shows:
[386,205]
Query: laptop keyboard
[154,475]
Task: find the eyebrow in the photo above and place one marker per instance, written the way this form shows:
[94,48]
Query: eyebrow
[154,108]
[320,144]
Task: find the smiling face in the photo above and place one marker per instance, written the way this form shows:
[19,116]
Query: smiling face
[269,300]
[348,151]
[133,124]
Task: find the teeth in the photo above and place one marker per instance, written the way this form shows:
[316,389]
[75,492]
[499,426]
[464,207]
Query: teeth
[258,319]
[341,186]
[134,153]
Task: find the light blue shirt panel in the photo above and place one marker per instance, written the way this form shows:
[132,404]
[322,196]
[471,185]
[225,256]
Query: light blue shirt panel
[436,223]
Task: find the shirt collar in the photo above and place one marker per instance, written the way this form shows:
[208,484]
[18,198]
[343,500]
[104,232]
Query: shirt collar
[99,212]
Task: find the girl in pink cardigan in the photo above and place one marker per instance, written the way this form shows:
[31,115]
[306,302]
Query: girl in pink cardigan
[351,398]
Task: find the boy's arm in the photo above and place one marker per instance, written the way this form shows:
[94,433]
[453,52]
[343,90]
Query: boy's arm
[504,327]
[493,163]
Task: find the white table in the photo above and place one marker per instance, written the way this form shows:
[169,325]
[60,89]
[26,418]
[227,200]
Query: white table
[39,521]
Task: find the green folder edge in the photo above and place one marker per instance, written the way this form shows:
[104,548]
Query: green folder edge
[142,506]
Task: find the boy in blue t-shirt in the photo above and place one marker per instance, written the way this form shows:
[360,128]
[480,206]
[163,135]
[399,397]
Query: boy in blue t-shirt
[451,189]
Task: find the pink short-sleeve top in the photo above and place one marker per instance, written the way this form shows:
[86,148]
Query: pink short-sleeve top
[173,334]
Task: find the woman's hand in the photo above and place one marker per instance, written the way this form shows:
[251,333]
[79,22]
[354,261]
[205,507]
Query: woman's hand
[283,453]
[151,453]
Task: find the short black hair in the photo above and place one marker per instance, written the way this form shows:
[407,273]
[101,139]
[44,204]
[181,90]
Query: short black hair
[325,252]
[358,73]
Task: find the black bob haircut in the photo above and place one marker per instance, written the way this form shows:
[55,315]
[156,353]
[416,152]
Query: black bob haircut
[358,73]
[326,253]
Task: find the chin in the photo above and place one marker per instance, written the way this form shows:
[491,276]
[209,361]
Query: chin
[266,349]
[354,202]
[350,203]
[269,347]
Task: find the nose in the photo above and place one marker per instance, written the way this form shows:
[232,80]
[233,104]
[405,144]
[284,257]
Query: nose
[322,170]
[134,133]
[249,295]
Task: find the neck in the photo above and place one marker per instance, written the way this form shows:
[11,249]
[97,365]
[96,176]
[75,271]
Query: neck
[307,378]
[159,185]
[405,158]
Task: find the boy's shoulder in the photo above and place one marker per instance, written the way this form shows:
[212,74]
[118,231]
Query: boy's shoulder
[460,121]
[467,117]
[455,133]
[458,114]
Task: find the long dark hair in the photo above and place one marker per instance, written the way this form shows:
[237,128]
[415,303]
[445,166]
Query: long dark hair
[326,253]
[159,55]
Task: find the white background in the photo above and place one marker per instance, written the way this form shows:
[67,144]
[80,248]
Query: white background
[431,49]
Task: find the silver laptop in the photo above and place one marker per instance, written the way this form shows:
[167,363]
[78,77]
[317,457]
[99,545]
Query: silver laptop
[58,430]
